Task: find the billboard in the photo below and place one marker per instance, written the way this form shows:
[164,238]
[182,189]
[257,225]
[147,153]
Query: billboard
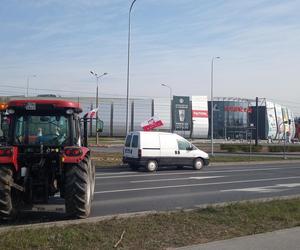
[271,125]
[199,117]
[182,113]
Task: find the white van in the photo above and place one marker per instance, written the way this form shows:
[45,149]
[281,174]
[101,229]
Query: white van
[154,149]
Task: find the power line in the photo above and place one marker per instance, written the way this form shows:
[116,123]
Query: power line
[71,91]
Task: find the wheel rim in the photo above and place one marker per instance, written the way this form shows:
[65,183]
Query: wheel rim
[198,164]
[151,166]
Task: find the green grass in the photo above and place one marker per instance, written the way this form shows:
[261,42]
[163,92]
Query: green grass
[115,159]
[106,140]
[260,148]
[107,159]
[162,230]
[246,158]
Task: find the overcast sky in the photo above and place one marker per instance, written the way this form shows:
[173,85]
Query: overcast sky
[173,42]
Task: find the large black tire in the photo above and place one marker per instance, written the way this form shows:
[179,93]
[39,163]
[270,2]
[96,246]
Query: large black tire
[79,188]
[6,205]
[93,177]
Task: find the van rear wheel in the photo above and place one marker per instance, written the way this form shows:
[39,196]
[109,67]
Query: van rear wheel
[198,164]
[152,165]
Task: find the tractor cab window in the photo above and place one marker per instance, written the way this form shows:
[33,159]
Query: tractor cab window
[37,130]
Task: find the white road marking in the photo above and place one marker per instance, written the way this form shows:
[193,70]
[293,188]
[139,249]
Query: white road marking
[113,175]
[204,177]
[289,185]
[254,189]
[194,185]
[264,189]
[178,179]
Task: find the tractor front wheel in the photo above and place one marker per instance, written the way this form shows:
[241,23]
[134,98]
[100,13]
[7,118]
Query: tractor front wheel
[79,188]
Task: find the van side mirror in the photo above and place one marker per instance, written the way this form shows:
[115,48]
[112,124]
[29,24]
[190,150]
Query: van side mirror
[189,148]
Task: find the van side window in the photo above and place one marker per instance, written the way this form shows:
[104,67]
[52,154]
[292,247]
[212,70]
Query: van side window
[135,141]
[183,145]
[128,140]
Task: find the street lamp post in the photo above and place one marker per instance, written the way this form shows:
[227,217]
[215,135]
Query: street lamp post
[28,78]
[170,89]
[212,105]
[128,65]
[97,97]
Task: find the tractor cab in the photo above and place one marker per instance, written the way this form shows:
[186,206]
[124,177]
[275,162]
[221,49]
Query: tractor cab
[48,123]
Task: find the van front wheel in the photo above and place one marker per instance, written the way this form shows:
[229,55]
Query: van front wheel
[198,164]
[151,165]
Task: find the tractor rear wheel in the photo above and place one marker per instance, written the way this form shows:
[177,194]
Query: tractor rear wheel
[6,206]
[93,177]
[79,188]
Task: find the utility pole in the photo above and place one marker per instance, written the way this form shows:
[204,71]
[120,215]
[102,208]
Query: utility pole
[256,125]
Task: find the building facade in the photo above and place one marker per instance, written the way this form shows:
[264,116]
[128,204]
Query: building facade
[234,118]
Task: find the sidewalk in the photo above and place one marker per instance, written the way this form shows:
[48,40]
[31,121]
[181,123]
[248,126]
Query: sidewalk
[278,240]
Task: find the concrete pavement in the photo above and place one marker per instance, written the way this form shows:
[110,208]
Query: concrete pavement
[277,240]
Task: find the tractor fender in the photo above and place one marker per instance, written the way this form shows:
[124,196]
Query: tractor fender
[75,159]
[10,159]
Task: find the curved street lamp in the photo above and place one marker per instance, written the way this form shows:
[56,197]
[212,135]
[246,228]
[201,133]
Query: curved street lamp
[97,96]
[128,62]
[212,104]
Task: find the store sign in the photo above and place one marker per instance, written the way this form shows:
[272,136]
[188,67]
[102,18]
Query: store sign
[199,117]
[237,109]
[152,123]
[200,113]
[182,113]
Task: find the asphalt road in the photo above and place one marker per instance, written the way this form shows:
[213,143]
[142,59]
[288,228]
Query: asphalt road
[122,191]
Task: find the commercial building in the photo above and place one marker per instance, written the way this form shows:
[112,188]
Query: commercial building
[234,118]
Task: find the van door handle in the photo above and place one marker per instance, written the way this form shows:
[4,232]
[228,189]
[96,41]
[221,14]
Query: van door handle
[177,152]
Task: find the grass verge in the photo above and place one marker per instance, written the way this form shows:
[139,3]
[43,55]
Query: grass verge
[115,159]
[162,230]
[246,158]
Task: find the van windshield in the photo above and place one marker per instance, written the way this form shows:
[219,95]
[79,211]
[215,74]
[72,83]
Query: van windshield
[184,144]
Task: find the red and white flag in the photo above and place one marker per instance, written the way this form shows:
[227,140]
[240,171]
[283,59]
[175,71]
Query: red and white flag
[91,114]
[152,123]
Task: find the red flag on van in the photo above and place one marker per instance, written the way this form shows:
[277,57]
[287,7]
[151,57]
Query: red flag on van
[152,123]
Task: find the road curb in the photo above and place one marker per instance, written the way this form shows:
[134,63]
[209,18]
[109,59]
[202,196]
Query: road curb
[137,214]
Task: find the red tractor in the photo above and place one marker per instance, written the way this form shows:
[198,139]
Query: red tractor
[45,154]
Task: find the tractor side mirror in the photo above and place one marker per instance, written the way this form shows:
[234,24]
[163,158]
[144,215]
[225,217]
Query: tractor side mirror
[100,126]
